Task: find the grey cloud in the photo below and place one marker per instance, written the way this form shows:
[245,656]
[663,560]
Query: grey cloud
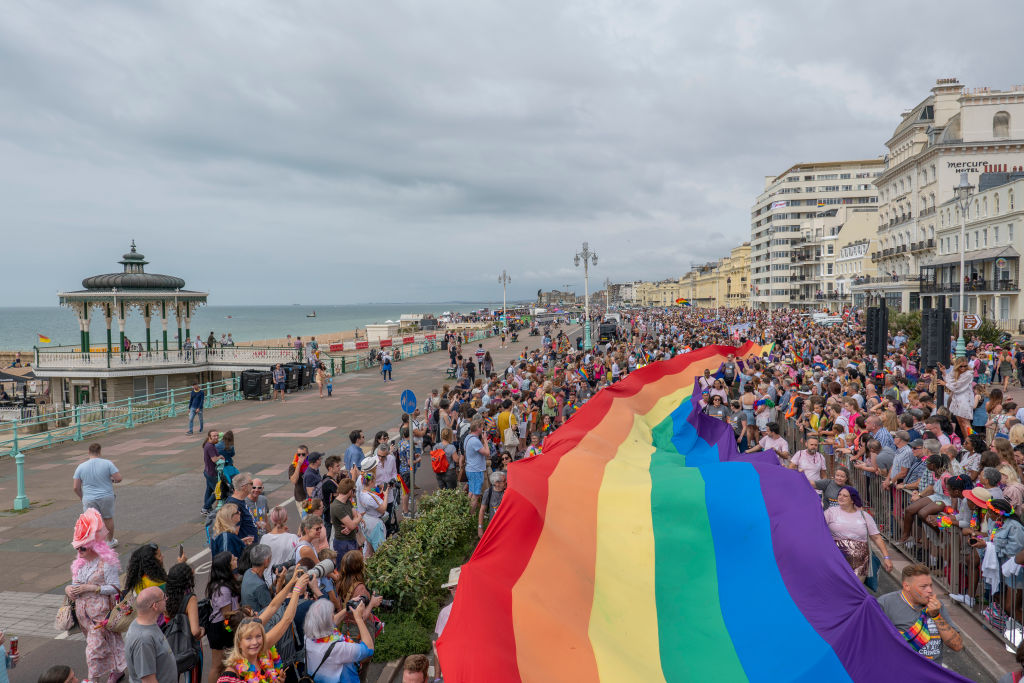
[464,137]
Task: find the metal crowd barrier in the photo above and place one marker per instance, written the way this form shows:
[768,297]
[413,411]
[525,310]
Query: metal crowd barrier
[955,565]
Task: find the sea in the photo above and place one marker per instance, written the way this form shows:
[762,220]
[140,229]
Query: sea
[20,327]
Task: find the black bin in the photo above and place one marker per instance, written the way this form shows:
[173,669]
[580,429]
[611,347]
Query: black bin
[293,375]
[256,384]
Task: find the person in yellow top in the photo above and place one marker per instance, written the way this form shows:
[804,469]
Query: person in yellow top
[507,420]
[146,569]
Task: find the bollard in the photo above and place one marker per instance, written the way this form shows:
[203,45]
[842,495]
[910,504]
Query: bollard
[78,423]
[343,365]
[131,417]
[173,411]
[332,367]
[21,500]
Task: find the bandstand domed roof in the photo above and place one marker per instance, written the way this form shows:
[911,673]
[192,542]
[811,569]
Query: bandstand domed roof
[133,277]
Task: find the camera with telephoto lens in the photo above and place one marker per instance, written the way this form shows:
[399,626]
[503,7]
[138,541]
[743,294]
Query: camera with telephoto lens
[321,569]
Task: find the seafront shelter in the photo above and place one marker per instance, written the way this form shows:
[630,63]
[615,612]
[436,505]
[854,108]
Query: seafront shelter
[107,370]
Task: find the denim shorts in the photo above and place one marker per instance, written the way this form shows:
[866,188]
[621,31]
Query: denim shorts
[476,482]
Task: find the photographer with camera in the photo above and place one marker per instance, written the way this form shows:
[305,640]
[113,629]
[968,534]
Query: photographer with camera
[330,656]
[352,588]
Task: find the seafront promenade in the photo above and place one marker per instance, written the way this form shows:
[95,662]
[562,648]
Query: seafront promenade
[160,497]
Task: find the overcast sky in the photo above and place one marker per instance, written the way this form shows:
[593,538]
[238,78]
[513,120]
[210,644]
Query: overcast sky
[343,152]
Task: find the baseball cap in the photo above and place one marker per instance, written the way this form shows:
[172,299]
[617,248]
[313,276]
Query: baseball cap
[917,443]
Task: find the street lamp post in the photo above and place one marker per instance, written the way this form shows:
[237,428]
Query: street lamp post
[504,279]
[587,256]
[963,199]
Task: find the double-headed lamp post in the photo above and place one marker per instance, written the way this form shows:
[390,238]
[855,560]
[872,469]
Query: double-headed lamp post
[504,279]
[587,256]
[963,199]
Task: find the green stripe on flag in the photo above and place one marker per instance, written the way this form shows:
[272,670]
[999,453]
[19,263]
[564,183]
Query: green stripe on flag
[693,640]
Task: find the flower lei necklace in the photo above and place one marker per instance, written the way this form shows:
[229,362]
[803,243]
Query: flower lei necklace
[336,635]
[997,524]
[268,669]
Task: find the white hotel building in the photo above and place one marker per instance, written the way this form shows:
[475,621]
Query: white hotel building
[794,230]
[950,131]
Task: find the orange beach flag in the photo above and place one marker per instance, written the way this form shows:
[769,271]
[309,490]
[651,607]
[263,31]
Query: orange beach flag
[43,339]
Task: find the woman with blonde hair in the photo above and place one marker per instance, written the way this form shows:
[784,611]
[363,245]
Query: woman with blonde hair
[225,531]
[279,539]
[253,657]
[1016,436]
[1007,462]
[890,421]
[958,380]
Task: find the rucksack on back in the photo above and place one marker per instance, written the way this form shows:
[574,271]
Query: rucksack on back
[439,460]
[178,633]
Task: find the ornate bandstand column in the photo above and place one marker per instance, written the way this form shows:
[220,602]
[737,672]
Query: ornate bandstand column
[163,324]
[146,315]
[120,324]
[108,317]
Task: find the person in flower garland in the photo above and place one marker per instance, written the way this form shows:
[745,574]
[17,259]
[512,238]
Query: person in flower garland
[254,658]
[94,582]
[332,657]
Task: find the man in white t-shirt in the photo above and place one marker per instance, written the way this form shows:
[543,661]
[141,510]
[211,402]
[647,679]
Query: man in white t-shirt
[772,441]
[94,483]
[809,461]
[442,616]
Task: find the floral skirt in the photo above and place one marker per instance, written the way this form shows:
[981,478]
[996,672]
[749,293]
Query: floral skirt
[858,555]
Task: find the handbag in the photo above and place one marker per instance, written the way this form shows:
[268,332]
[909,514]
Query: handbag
[122,614]
[66,618]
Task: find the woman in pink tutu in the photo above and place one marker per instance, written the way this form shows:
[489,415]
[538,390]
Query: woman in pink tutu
[94,581]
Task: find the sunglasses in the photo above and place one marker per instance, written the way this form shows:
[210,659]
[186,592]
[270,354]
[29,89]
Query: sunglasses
[257,488]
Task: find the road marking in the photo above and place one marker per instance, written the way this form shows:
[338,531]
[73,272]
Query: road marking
[311,434]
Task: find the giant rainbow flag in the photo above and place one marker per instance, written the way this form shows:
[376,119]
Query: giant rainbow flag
[641,546]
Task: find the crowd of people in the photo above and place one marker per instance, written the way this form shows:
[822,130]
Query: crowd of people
[899,454]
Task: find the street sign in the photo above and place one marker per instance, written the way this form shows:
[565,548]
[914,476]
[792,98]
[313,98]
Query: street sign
[408,401]
[971,321]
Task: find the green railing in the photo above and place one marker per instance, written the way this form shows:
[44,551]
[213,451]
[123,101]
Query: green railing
[81,422]
[84,421]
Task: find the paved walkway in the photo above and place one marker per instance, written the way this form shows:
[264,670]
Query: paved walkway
[161,495]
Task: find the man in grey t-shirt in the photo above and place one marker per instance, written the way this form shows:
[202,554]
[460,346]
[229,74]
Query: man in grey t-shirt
[919,616]
[145,646]
[94,483]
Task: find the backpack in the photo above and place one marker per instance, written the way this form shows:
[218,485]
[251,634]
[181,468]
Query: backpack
[439,460]
[205,613]
[318,490]
[178,633]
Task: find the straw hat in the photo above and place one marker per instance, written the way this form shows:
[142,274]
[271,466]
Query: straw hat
[369,463]
[453,577]
[979,495]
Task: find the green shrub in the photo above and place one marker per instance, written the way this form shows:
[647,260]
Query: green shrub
[403,635]
[988,332]
[410,567]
